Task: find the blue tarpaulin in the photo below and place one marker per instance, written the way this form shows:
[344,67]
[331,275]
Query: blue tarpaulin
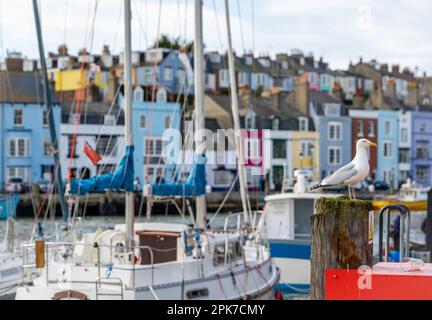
[194,186]
[121,179]
[8,205]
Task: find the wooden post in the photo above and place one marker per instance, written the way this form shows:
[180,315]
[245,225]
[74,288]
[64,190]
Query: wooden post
[341,239]
[40,254]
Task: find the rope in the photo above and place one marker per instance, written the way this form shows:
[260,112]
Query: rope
[220,285]
[225,199]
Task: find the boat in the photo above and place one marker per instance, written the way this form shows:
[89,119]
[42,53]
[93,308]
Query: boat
[148,260]
[287,219]
[411,194]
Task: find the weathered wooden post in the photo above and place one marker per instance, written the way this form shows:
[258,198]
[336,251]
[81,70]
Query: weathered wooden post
[341,238]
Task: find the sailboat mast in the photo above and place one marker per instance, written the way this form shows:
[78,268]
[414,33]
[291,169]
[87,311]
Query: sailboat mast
[48,102]
[199,102]
[236,118]
[129,197]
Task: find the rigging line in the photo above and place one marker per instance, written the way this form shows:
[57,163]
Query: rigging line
[253,25]
[65,21]
[117,26]
[241,26]
[225,198]
[141,27]
[153,94]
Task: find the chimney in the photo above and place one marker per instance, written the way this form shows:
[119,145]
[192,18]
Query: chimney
[301,95]
[276,97]
[337,91]
[106,50]
[112,87]
[395,69]
[391,89]
[14,61]
[62,50]
[361,60]
[384,67]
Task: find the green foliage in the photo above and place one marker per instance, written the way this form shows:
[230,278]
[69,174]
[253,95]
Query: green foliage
[173,43]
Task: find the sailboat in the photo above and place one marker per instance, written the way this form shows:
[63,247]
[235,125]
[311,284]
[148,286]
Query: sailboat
[150,260]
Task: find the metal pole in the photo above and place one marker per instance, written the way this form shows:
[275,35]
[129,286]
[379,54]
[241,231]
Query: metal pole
[48,102]
[199,103]
[129,197]
[236,118]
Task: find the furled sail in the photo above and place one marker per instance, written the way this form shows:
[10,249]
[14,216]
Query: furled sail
[121,179]
[195,184]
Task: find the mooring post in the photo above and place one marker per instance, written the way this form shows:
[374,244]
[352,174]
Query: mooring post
[429,222]
[342,234]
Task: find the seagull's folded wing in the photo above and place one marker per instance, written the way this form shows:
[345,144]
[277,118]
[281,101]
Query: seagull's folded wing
[341,175]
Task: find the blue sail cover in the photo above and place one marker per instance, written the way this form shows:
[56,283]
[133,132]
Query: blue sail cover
[121,179]
[8,205]
[194,186]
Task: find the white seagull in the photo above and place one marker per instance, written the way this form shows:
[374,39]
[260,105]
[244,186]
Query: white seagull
[352,173]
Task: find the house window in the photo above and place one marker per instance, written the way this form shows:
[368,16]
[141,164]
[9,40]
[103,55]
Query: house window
[167,122]
[387,127]
[19,172]
[45,118]
[404,135]
[422,127]
[253,148]
[335,131]
[422,174]
[360,131]
[306,148]
[106,146]
[19,147]
[70,149]
[153,149]
[279,149]
[387,149]
[422,151]
[168,73]
[404,156]
[142,121]
[138,94]
[47,148]
[334,155]
[181,76]
[18,117]
[303,124]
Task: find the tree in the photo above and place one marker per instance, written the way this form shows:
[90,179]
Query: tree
[173,43]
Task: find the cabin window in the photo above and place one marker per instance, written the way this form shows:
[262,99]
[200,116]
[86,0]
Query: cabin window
[197,293]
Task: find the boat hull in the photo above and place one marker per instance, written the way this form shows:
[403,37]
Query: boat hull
[292,257]
[412,205]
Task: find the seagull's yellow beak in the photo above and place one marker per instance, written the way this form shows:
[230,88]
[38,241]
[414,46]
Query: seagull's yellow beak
[373,144]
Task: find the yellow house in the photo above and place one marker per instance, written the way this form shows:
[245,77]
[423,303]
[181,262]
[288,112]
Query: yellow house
[304,151]
[70,80]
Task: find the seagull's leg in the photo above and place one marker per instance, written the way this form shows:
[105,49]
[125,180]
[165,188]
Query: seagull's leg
[349,192]
[353,191]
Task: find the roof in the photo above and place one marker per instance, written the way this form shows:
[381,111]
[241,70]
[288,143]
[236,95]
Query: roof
[319,98]
[22,87]
[266,110]
[92,112]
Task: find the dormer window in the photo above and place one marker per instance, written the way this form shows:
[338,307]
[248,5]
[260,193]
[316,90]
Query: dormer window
[332,109]
[303,124]
[316,64]
[284,65]
[109,119]
[138,94]
[275,124]
[248,60]
[302,61]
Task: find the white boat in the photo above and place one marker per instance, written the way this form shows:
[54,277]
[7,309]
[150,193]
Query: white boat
[10,273]
[157,260]
[288,229]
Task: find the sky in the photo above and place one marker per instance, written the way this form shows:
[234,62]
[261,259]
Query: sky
[392,31]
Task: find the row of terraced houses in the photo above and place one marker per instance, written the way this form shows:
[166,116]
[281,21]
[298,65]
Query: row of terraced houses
[314,114]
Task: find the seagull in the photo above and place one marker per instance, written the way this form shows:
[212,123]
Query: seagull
[352,173]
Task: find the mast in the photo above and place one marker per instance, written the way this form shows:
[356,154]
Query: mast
[236,118]
[48,101]
[129,197]
[199,103]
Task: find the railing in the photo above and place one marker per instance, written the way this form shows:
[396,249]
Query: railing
[256,215]
[53,248]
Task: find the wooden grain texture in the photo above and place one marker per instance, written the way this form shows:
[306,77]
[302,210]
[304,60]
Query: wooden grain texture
[340,239]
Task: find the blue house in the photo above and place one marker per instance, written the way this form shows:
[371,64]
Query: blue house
[25,144]
[388,162]
[173,71]
[332,122]
[421,142]
[150,121]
